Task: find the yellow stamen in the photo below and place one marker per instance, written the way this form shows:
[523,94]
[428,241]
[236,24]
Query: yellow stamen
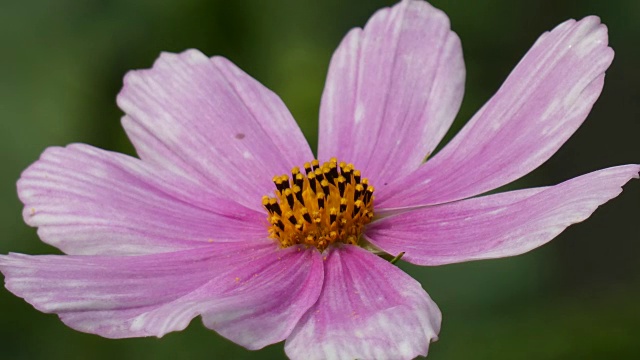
[326,204]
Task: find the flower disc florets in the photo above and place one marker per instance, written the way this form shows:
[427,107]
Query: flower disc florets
[329,204]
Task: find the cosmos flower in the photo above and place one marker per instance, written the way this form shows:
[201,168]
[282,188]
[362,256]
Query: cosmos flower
[228,216]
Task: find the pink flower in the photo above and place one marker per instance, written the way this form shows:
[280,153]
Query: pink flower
[183,231]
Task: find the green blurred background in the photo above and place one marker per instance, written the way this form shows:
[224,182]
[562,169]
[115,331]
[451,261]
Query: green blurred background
[576,298]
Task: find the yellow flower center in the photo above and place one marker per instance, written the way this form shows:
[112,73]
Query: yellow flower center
[329,204]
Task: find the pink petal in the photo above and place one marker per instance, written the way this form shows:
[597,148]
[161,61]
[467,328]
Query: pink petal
[392,91]
[368,309]
[254,294]
[499,225]
[540,105]
[90,201]
[206,118]
[274,293]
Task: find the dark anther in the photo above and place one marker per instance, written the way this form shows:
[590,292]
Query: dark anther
[280,225]
[295,171]
[367,195]
[358,191]
[327,174]
[275,207]
[285,181]
[341,186]
[356,209]
[266,204]
[278,182]
[307,217]
[320,201]
[307,168]
[333,217]
[325,187]
[347,175]
[343,205]
[312,182]
[292,219]
[298,193]
[289,196]
[333,170]
[315,164]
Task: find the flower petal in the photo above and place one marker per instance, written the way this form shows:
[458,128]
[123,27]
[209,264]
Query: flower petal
[254,294]
[392,91]
[89,201]
[206,118]
[368,309]
[274,293]
[540,105]
[499,225]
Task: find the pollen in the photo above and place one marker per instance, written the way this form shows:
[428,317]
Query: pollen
[327,204]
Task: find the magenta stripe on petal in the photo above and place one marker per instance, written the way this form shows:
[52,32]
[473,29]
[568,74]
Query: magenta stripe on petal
[392,91]
[368,309]
[89,201]
[252,293]
[540,105]
[499,225]
[208,119]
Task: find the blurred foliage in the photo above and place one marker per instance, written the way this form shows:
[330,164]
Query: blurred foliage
[576,298]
